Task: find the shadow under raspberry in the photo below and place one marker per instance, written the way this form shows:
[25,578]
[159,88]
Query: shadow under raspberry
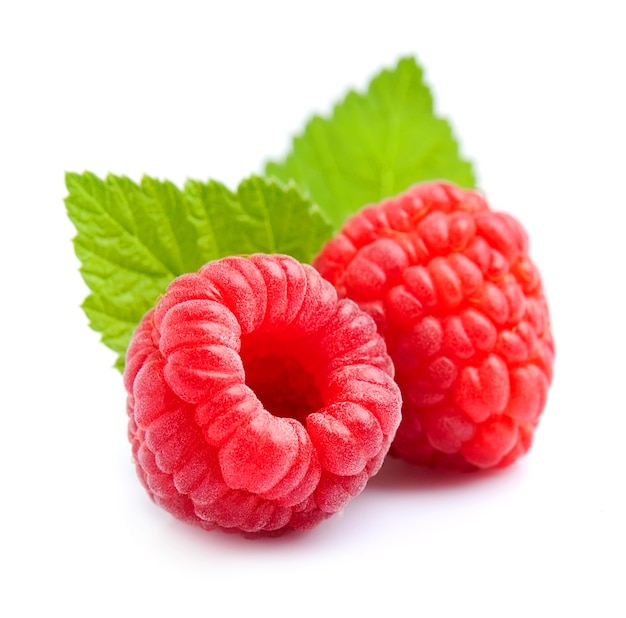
[397,475]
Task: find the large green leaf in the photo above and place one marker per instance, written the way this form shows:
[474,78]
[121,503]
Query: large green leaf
[374,145]
[133,239]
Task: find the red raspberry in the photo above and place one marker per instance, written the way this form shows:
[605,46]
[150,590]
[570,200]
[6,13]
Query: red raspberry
[461,307]
[258,401]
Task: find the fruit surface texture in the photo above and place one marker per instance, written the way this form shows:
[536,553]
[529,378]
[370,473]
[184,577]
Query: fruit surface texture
[461,306]
[258,401]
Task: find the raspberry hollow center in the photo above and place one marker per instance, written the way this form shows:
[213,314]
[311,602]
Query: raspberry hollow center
[276,374]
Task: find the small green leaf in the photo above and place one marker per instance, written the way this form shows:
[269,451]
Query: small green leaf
[133,239]
[374,145]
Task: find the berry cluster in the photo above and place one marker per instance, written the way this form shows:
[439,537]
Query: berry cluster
[258,401]
[461,307]
[262,397]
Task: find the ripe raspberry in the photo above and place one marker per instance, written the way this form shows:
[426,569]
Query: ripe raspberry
[258,401]
[461,307]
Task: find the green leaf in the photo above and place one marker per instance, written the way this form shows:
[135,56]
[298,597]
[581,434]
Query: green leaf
[374,145]
[133,239]
[261,217]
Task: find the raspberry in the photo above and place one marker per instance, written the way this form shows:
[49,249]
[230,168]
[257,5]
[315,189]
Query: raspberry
[461,307]
[258,401]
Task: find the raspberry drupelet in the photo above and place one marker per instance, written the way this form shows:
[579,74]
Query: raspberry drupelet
[461,306]
[258,401]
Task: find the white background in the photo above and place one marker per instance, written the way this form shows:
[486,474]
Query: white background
[535,91]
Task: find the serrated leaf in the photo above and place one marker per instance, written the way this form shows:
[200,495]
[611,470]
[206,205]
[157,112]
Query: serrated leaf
[261,216]
[374,145]
[133,239]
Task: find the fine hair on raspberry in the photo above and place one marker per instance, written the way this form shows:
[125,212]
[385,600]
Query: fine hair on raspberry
[258,401]
[461,306]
